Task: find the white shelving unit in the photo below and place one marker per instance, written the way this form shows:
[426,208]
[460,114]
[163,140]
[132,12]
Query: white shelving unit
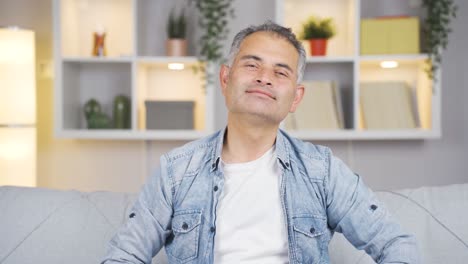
[137,67]
[345,65]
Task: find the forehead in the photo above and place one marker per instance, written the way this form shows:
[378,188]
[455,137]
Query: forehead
[270,47]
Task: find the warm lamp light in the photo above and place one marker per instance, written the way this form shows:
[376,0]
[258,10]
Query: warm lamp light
[176,66]
[17,107]
[18,156]
[389,64]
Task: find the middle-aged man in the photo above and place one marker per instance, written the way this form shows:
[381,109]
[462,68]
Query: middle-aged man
[250,193]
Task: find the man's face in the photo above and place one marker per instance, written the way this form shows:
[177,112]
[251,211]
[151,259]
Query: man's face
[262,80]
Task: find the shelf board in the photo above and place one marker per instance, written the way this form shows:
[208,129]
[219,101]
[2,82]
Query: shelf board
[350,134]
[167,59]
[97,59]
[144,59]
[114,134]
[326,59]
[172,134]
[188,135]
[397,57]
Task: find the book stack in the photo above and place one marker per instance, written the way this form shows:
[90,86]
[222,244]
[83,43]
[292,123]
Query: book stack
[387,105]
[320,108]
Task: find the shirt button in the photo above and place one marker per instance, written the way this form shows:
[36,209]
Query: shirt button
[215,188]
[212,229]
[184,226]
[312,230]
[373,207]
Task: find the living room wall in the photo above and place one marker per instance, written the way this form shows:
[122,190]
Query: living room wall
[124,165]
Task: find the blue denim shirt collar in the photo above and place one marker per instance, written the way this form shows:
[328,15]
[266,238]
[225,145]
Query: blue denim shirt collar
[282,149]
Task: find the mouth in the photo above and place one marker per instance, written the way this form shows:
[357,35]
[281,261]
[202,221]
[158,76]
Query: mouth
[261,92]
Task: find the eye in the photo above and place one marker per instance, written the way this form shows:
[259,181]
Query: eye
[282,74]
[251,65]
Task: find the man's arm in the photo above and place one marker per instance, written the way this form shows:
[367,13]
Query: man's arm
[147,226]
[354,210]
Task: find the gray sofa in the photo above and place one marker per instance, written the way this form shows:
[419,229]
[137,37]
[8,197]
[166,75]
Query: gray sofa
[50,226]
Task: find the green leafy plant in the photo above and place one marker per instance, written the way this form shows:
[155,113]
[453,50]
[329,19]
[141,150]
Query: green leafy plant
[176,25]
[316,28]
[214,18]
[439,14]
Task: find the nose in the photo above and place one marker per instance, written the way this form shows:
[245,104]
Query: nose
[264,78]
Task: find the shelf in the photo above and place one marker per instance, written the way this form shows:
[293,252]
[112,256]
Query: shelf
[344,15]
[142,59]
[97,59]
[329,59]
[395,57]
[342,74]
[80,19]
[412,72]
[365,134]
[167,59]
[178,135]
[155,81]
[111,134]
[152,16]
[83,81]
[136,65]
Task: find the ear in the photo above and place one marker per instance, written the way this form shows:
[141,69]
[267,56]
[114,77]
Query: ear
[297,98]
[224,77]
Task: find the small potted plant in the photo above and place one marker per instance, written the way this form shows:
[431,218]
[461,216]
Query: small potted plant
[318,31]
[176,45]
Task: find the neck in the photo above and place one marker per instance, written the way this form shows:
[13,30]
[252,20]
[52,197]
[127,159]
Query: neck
[244,142]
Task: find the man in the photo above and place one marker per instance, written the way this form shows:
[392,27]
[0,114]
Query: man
[251,193]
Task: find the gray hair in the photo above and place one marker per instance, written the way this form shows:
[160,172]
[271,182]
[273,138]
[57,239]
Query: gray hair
[269,26]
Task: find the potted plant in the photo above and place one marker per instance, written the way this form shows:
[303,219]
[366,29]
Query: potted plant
[176,45]
[318,31]
[436,29]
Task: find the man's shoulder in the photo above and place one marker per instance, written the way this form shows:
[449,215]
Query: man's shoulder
[305,149]
[200,146]
[311,159]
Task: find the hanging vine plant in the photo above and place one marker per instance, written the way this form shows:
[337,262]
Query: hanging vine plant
[213,20]
[439,14]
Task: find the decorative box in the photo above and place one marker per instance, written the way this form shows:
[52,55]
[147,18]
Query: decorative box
[390,35]
[169,114]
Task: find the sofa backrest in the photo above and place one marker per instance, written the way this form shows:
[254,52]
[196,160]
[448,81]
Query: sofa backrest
[435,215]
[51,226]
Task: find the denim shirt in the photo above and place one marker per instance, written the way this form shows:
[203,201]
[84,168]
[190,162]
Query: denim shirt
[319,194]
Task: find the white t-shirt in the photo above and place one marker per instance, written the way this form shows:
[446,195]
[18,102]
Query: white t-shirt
[250,226]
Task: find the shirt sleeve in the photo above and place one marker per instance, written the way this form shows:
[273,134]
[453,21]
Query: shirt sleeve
[147,226]
[354,210]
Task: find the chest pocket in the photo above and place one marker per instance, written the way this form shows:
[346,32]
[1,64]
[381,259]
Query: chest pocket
[186,236]
[309,238]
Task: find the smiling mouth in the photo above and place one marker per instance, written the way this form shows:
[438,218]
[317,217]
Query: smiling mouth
[261,92]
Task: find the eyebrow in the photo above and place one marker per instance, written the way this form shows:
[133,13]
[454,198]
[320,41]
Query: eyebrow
[253,57]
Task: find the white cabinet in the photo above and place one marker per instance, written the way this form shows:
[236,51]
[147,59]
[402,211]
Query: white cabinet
[136,66]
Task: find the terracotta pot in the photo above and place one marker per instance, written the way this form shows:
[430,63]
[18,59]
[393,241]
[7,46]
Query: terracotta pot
[176,47]
[318,47]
